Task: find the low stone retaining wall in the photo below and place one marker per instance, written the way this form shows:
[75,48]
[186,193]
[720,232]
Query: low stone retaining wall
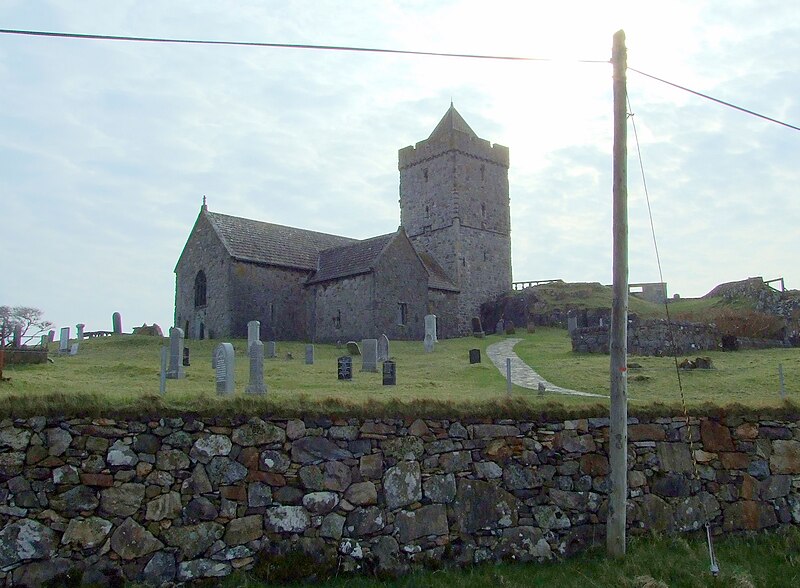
[174,499]
[650,337]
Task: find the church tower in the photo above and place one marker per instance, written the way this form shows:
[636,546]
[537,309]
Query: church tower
[454,205]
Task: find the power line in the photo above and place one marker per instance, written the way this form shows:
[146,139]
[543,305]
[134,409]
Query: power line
[284,46]
[308,46]
[717,100]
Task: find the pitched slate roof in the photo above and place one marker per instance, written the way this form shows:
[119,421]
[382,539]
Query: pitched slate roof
[349,260]
[451,121]
[271,244]
[437,277]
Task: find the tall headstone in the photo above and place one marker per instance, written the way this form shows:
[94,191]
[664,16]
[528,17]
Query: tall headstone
[224,369]
[175,370]
[80,327]
[186,357]
[16,339]
[428,343]
[369,355]
[345,367]
[116,322]
[389,373]
[51,336]
[162,388]
[63,340]
[256,353]
[309,354]
[271,351]
[253,333]
[430,326]
[383,348]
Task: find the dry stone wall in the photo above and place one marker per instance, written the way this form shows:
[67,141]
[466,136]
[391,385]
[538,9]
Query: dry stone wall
[175,499]
[650,337]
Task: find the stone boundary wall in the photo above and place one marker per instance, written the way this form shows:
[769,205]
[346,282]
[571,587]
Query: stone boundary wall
[174,499]
[650,337]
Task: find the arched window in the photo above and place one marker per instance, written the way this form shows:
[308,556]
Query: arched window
[200,289]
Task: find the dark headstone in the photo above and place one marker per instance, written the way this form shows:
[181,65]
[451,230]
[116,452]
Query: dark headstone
[389,373]
[474,356]
[186,356]
[510,329]
[345,367]
[116,321]
[353,348]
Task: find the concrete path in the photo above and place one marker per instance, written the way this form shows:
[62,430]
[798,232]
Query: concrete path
[521,373]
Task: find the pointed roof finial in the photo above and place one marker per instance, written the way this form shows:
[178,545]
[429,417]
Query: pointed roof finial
[204,207]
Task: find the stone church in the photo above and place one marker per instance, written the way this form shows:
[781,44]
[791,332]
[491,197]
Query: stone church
[451,253]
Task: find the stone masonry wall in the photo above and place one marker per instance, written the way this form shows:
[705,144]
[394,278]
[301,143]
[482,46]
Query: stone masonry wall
[173,499]
[650,337]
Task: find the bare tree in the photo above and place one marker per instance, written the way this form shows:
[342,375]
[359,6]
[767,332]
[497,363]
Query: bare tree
[30,322]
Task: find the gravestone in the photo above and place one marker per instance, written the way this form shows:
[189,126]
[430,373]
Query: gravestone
[369,357]
[474,356]
[116,323]
[531,327]
[44,340]
[389,373]
[253,333]
[309,354]
[572,324]
[162,388]
[430,326]
[73,350]
[186,357]
[271,350]
[16,338]
[428,343]
[175,370]
[501,327]
[345,367]
[353,348]
[510,328]
[256,353]
[477,328]
[542,388]
[224,369]
[51,336]
[383,348]
[80,327]
[63,340]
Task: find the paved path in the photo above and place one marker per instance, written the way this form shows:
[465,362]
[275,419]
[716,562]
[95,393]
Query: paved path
[521,373]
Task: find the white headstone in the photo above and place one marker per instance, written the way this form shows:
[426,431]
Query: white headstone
[309,355]
[256,353]
[63,341]
[430,326]
[572,324]
[428,343]
[73,350]
[80,327]
[175,370]
[224,370]
[253,333]
[369,355]
[383,348]
[271,351]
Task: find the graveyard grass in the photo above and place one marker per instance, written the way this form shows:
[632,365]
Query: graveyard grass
[120,375]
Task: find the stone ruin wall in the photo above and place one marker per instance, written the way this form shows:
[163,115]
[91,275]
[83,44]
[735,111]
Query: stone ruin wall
[174,499]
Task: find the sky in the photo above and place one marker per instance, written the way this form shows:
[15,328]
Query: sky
[107,148]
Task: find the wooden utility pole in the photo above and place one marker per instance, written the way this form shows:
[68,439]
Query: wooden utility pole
[618,438]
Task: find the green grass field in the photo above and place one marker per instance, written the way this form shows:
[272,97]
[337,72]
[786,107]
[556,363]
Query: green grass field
[121,375]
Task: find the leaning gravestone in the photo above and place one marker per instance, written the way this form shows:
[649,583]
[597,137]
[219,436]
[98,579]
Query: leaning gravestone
[430,326]
[79,327]
[175,370]
[63,340]
[256,353]
[272,353]
[477,328]
[223,371]
[352,348]
[383,348]
[428,343]
[369,358]
[309,355]
[253,333]
[116,322]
